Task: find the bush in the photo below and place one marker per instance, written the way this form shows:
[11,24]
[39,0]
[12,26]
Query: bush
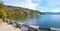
[0,15]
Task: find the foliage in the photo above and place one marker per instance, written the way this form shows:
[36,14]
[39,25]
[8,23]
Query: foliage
[1,5]
[0,15]
[19,14]
[22,14]
[11,12]
[2,10]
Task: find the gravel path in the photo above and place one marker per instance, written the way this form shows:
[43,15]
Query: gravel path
[7,27]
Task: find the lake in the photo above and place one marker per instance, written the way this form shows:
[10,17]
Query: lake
[49,20]
[44,21]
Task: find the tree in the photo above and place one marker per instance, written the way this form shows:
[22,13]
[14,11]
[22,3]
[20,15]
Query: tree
[22,14]
[11,12]
[1,5]
[2,10]
[19,14]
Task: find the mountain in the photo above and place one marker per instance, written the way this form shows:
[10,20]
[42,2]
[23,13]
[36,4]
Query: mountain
[52,13]
[24,9]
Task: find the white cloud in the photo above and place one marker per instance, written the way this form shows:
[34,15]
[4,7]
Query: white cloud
[54,10]
[6,0]
[53,2]
[37,1]
[42,9]
[28,4]
[22,3]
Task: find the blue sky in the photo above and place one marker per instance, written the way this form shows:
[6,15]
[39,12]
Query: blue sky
[40,5]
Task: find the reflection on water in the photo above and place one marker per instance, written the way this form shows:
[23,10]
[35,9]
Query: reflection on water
[55,17]
[44,21]
[49,21]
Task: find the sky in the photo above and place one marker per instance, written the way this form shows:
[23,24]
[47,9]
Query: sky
[40,5]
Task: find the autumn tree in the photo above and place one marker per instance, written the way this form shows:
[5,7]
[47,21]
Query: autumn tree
[10,14]
[19,13]
[22,14]
[2,10]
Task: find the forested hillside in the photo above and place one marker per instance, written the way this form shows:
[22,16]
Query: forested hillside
[13,12]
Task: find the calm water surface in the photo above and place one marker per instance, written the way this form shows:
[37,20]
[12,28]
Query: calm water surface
[45,21]
[48,21]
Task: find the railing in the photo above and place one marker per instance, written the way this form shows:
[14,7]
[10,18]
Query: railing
[25,27]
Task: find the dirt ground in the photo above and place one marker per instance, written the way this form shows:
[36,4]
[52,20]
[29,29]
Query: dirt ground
[7,27]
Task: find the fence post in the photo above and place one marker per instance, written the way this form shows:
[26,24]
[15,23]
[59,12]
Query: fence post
[33,28]
[19,25]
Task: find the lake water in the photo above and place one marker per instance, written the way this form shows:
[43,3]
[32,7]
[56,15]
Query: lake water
[49,20]
[45,21]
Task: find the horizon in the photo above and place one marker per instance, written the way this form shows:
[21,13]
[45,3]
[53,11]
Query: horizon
[40,5]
